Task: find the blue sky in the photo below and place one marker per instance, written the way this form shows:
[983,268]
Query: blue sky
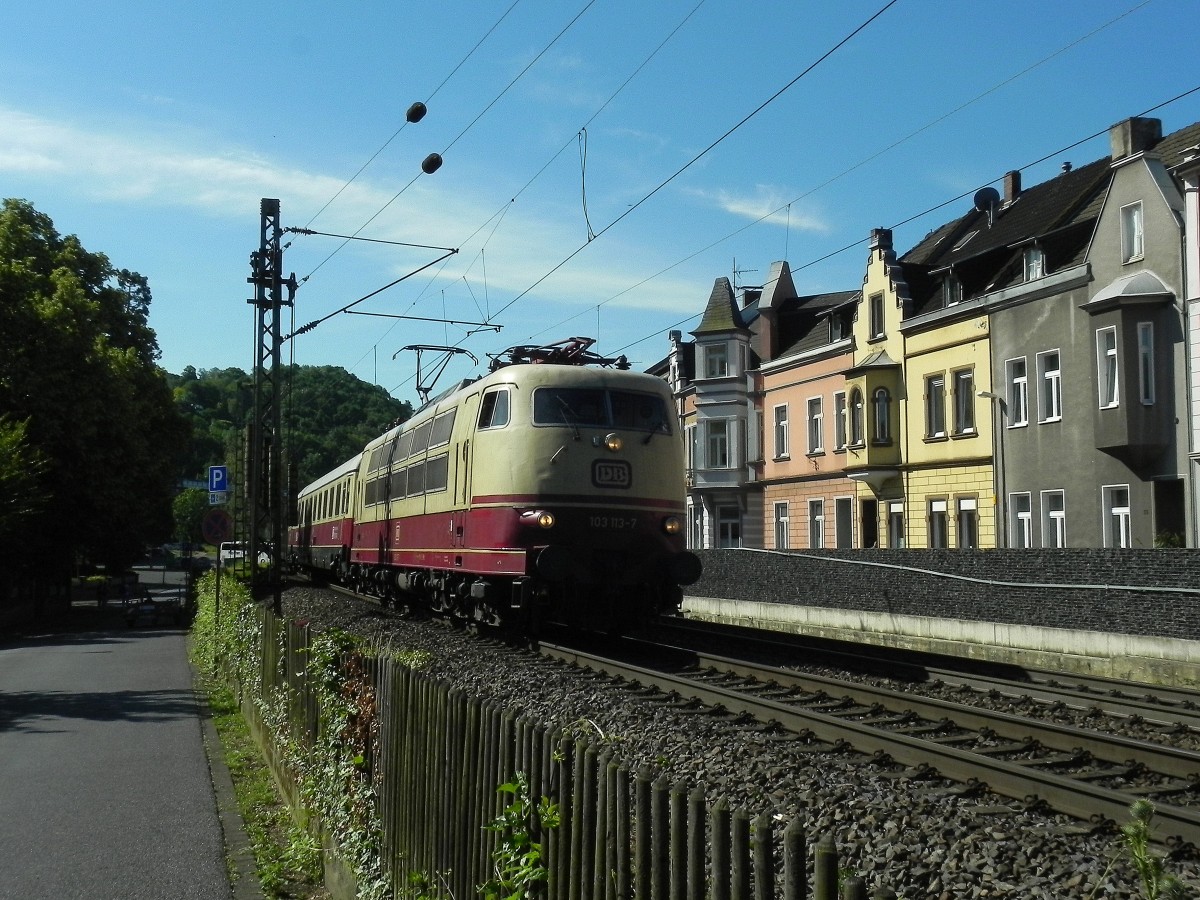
[152,130]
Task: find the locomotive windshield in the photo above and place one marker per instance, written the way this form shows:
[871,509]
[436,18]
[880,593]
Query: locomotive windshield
[596,407]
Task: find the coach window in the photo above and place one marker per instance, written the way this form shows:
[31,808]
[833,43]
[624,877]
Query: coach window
[405,446]
[436,473]
[421,437]
[443,425]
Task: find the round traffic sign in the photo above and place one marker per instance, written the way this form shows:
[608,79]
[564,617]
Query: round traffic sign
[217,526]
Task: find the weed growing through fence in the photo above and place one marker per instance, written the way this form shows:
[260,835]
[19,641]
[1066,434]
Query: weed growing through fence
[332,769]
[519,859]
[287,859]
[420,886]
[1157,884]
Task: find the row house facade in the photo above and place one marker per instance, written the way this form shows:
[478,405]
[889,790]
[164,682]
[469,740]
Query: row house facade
[1028,375]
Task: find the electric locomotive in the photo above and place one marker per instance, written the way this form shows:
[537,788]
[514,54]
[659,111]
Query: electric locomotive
[550,489]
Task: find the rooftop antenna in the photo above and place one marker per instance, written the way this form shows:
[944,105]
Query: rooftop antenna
[737,272]
[987,199]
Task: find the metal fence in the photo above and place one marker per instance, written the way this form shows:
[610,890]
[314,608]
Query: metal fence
[439,757]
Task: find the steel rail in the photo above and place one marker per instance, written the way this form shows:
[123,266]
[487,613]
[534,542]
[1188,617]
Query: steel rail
[1160,704]
[1081,799]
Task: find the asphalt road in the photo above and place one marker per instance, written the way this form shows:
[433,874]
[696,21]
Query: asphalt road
[105,789]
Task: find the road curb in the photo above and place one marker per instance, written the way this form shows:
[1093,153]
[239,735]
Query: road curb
[244,881]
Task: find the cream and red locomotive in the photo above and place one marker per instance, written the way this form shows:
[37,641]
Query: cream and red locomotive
[551,488]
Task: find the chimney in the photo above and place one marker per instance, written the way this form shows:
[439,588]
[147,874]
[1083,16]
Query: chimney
[1012,186]
[1134,136]
[881,239]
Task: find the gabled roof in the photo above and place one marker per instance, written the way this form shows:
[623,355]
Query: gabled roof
[721,314]
[1058,213]
[1038,210]
[803,322]
[1171,148]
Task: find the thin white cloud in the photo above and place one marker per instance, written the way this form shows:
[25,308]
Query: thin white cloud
[767,204]
[158,170]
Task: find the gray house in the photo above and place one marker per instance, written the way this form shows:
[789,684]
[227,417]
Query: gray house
[1082,278]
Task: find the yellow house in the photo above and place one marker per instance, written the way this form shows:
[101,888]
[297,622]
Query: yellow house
[920,413]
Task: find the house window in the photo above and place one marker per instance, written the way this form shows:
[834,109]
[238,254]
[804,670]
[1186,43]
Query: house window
[729,527]
[951,290]
[816,524]
[896,526]
[1116,516]
[716,361]
[695,526]
[939,525]
[839,420]
[718,444]
[1132,246]
[781,431]
[883,416]
[964,401]
[1107,375]
[1035,263]
[1020,521]
[876,313]
[967,523]
[935,406]
[1054,519]
[856,418]
[815,429]
[1049,387]
[1018,392]
[781,525]
[1146,362]
[843,512]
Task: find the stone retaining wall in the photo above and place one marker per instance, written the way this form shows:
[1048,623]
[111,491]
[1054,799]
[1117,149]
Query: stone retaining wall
[1150,593]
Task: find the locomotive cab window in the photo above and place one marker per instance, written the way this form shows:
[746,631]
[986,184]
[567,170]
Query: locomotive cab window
[493,409]
[599,408]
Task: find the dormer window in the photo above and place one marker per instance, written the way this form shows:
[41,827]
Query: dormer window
[840,325]
[1035,263]
[951,290]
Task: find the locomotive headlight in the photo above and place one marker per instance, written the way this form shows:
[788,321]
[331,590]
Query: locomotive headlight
[611,442]
[538,518]
[672,525]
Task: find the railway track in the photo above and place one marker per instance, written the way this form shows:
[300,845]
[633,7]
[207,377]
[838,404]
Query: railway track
[1176,711]
[1092,776]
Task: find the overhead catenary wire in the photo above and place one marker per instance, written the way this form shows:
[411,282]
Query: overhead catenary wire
[464,131]
[932,209]
[406,122]
[498,216]
[826,55]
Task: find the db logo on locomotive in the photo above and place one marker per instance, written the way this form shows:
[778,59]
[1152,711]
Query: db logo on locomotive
[611,473]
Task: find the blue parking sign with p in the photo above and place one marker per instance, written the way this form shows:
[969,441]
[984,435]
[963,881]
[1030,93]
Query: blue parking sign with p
[218,478]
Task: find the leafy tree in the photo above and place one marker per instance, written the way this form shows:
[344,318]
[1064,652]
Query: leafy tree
[21,496]
[328,415]
[78,365]
[189,509]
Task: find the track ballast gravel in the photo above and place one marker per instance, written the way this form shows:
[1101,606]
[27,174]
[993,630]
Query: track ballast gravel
[918,838]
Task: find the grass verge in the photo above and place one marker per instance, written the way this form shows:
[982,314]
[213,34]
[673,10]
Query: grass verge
[287,858]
